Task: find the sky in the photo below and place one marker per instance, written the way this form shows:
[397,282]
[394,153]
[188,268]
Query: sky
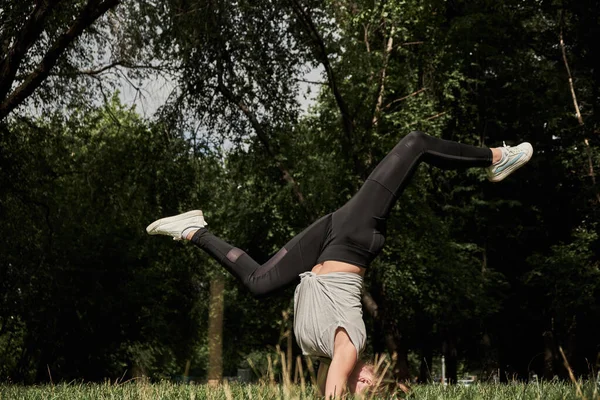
[154,92]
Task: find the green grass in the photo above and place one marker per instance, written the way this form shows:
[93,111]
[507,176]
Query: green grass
[170,391]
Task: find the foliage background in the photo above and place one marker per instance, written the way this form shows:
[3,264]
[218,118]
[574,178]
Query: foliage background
[496,277]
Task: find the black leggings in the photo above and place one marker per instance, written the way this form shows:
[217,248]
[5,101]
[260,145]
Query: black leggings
[355,233]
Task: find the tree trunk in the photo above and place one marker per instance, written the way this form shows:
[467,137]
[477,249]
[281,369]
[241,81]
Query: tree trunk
[215,331]
[387,337]
[572,345]
[548,355]
[396,346]
[451,354]
[489,362]
[424,329]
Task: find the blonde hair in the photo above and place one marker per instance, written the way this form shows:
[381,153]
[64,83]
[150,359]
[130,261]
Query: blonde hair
[384,385]
[388,390]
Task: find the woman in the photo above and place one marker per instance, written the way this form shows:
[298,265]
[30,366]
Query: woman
[331,256]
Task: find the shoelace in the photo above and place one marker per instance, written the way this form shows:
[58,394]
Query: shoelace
[511,151]
[506,154]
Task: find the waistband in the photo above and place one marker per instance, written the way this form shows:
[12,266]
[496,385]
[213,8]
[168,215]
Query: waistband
[336,275]
[348,254]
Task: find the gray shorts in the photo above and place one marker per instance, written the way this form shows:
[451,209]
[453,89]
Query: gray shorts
[323,303]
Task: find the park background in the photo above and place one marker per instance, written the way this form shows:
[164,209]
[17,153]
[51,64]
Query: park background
[267,115]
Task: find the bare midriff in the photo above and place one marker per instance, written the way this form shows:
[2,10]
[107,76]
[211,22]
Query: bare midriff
[337,266]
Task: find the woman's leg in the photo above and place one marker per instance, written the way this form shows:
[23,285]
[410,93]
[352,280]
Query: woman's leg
[283,269]
[393,173]
[358,228]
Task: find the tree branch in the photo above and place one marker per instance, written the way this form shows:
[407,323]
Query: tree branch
[90,13]
[311,82]
[322,56]
[432,117]
[9,65]
[409,43]
[381,86]
[571,86]
[577,112]
[259,129]
[366,39]
[99,70]
[405,97]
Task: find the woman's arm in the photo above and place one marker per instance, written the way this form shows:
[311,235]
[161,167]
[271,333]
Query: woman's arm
[342,364]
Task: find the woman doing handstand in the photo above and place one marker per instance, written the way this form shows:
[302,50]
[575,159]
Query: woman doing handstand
[330,257]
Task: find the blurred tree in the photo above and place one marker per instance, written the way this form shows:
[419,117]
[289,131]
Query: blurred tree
[88,294]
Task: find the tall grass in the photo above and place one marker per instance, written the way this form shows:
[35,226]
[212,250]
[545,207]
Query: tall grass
[169,391]
[294,386]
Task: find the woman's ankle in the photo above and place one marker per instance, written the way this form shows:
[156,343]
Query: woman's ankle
[189,234]
[496,154]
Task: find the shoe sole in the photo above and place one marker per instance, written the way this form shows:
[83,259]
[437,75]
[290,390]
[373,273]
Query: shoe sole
[515,166]
[153,227]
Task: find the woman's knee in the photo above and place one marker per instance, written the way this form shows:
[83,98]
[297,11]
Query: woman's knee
[257,291]
[415,142]
[417,138]
[259,288]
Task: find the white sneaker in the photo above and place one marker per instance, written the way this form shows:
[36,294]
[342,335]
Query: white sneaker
[513,158]
[174,226]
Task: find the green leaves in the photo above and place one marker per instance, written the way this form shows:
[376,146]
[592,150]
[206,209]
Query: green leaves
[78,269]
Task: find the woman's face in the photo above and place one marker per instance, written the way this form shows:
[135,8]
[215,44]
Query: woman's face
[362,377]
